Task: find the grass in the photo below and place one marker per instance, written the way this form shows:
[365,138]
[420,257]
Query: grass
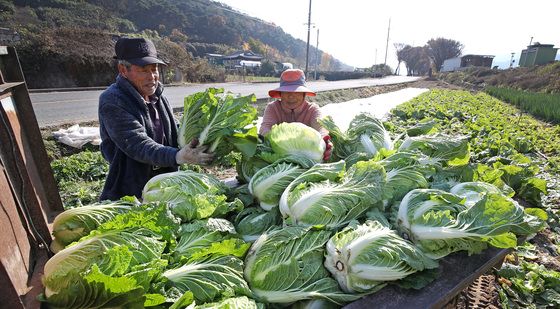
[543,105]
[251,79]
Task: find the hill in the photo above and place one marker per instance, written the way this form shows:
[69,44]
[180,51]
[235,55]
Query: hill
[66,43]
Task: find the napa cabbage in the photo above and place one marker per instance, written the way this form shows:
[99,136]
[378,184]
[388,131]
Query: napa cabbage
[363,258]
[210,237]
[210,279]
[252,222]
[113,267]
[365,135]
[534,219]
[449,150]
[72,224]
[295,138]
[286,265]
[222,121]
[242,302]
[268,183]
[314,198]
[441,223]
[405,172]
[191,195]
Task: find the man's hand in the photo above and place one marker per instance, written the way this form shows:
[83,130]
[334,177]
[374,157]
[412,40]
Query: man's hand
[194,154]
[328,148]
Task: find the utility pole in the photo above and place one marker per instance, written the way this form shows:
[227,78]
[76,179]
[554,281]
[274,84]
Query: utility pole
[387,45]
[375,62]
[316,55]
[308,36]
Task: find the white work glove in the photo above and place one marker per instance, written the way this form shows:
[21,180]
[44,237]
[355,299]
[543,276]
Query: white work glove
[194,155]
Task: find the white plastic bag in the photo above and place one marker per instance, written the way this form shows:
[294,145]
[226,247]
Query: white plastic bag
[76,136]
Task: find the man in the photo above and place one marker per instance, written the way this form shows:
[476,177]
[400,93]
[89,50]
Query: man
[138,132]
[292,106]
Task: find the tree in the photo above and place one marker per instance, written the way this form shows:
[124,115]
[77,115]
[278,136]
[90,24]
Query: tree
[380,69]
[416,59]
[399,48]
[441,49]
[257,46]
[178,37]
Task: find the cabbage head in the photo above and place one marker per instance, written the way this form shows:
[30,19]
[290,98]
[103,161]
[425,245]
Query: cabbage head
[269,182]
[364,257]
[191,195]
[219,120]
[534,218]
[187,181]
[315,199]
[286,265]
[73,224]
[242,302]
[210,279]
[103,268]
[447,149]
[252,222]
[441,223]
[405,172]
[296,138]
[366,134]
[210,237]
[475,191]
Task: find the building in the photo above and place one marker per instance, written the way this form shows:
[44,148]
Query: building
[241,59]
[460,63]
[8,36]
[537,54]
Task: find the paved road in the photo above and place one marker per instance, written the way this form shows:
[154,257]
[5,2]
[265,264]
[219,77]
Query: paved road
[55,108]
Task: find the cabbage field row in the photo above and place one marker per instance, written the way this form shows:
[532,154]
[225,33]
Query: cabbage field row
[448,171]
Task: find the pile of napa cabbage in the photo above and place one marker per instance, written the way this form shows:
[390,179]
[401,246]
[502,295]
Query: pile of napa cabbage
[299,231]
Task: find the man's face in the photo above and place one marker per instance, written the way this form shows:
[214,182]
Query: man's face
[292,100]
[145,79]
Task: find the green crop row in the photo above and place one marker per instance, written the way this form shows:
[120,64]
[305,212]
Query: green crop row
[542,105]
[496,130]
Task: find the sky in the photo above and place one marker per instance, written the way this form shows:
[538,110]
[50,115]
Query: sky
[355,31]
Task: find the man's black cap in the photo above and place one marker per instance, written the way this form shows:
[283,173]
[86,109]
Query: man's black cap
[137,51]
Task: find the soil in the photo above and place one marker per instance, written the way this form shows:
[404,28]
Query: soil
[431,83]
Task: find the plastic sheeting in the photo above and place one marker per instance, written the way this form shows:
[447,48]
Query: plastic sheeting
[76,136]
[379,106]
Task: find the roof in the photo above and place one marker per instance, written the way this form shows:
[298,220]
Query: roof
[537,44]
[243,55]
[482,56]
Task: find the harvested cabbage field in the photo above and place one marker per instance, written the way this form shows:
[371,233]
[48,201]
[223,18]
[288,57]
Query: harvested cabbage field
[447,173]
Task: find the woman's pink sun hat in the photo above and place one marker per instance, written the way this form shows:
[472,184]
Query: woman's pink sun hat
[291,80]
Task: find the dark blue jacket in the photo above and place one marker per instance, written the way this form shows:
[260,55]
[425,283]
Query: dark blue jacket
[126,140]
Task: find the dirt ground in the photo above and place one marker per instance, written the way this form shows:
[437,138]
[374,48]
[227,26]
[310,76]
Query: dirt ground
[433,84]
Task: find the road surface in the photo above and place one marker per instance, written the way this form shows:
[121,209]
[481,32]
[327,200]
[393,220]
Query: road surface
[56,108]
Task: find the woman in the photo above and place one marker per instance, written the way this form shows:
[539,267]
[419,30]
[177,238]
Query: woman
[292,106]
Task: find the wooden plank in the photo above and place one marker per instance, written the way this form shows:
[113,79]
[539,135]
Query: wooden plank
[455,272]
[16,248]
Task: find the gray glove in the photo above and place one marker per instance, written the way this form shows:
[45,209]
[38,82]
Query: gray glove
[194,155]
